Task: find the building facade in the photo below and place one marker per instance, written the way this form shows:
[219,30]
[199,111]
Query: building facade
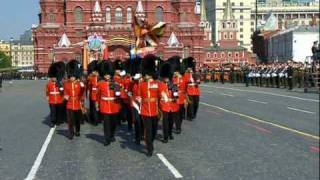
[228,49]
[22,55]
[292,44]
[112,20]
[289,13]
[5,47]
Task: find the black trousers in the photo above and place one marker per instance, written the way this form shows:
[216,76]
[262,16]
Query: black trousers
[290,83]
[74,118]
[150,130]
[167,125]
[138,125]
[56,113]
[192,108]
[126,114]
[181,116]
[94,118]
[109,125]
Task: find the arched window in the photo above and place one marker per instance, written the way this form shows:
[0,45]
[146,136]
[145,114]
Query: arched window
[118,15]
[78,15]
[108,15]
[159,14]
[231,35]
[52,17]
[129,15]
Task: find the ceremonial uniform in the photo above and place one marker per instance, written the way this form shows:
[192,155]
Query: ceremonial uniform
[193,92]
[108,101]
[181,100]
[55,100]
[74,94]
[92,88]
[135,107]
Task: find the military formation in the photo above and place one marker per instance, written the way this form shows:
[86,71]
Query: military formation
[277,75]
[141,92]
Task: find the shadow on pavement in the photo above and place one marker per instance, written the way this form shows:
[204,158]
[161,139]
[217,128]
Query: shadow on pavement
[96,137]
[127,140]
[46,121]
[63,132]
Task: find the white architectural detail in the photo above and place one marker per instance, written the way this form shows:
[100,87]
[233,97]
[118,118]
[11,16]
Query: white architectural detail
[64,41]
[173,40]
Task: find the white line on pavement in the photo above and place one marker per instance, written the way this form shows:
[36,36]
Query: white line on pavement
[262,102]
[223,94]
[37,162]
[262,121]
[173,170]
[262,92]
[295,109]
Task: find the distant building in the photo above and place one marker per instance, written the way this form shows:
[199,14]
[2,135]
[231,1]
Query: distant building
[227,50]
[292,44]
[5,47]
[22,54]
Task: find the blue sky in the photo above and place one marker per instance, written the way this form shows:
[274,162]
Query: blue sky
[16,16]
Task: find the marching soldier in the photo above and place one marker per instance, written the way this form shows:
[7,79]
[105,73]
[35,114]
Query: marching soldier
[1,78]
[193,90]
[168,102]
[54,95]
[290,75]
[150,94]
[135,106]
[108,95]
[181,84]
[92,82]
[74,94]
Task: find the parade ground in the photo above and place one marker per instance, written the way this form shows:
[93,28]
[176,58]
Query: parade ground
[240,133]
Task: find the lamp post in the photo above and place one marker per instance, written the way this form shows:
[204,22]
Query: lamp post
[11,41]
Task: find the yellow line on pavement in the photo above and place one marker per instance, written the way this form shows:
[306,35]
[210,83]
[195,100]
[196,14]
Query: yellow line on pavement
[262,121]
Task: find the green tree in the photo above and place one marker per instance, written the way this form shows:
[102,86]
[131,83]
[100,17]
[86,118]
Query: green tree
[5,61]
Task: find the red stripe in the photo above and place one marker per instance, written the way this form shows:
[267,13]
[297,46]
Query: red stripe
[259,128]
[314,149]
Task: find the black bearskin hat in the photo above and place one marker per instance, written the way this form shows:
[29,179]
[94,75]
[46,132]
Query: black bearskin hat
[93,66]
[175,63]
[136,66]
[73,69]
[106,67]
[149,65]
[127,66]
[189,62]
[62,70]
[53,71]
[118,65]
[166,70]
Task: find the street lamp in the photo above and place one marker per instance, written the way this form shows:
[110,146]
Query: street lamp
[11,41]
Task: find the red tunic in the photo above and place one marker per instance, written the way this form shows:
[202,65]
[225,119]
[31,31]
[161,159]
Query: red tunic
[52,92]
[192,85]
[169,104]
[136,85]
[150,93]
[92,86]
[74,93]
[108,103]
[182,89]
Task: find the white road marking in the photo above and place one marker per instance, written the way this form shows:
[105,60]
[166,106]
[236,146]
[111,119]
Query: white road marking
[37,162]
[262,121]
[295,109]
[262,92]
[262,102]
[173,170]
[223,94]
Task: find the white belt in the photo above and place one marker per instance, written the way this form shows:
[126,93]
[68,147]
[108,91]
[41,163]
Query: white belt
[108,98]
[54,93]
[94,89]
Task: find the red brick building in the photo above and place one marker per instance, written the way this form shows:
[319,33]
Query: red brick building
[228,49]
[112,20]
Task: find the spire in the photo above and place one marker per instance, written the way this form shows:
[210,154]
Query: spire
[64,41]
[173,40]
[97,8]
[228,15]
[139,8]
[203,12]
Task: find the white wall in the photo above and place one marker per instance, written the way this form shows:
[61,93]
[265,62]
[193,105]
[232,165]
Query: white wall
[302,43]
